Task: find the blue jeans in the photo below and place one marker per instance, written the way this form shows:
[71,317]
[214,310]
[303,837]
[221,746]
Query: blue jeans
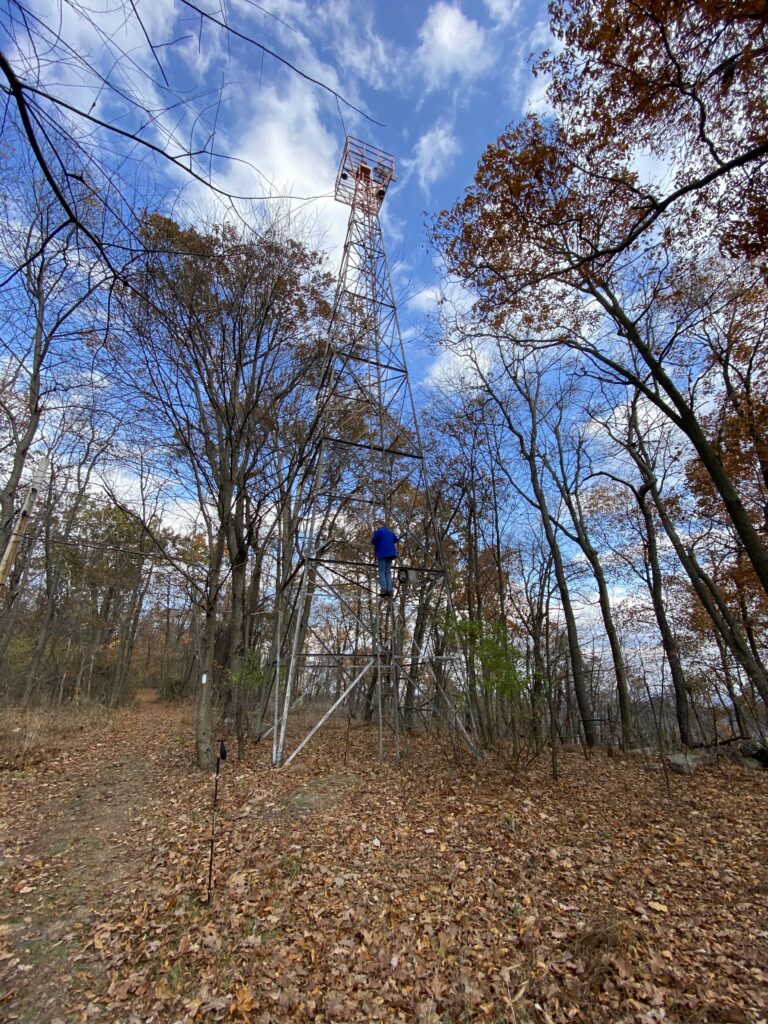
[385,575]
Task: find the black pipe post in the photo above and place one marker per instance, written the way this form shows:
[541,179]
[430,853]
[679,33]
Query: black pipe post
[222,756]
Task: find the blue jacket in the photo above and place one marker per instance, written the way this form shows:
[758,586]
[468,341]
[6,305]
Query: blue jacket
[384,542]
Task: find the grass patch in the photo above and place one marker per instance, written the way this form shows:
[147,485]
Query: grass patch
[610,933]
[32,736]
[319,794]
[291,865]
[605,937]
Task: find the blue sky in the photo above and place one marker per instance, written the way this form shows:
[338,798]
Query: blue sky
[444,78]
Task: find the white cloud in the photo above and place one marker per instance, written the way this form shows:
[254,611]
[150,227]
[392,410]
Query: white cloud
[167,498]
[426,299]
[359,48]
[536,99]
[284,137]
[457,371]
[433,154]
[394,230]
[502,11]
[291,131]
[652,169]
[452,44]
[98,59]
[542,39]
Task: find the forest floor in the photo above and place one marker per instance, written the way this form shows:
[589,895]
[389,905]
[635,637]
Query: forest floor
[428,891]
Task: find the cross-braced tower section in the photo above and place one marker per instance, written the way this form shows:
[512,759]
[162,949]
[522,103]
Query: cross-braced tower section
[344,642]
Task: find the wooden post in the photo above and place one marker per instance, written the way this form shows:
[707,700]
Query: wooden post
[12,547]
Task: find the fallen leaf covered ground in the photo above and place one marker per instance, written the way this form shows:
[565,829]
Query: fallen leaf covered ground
[347,890]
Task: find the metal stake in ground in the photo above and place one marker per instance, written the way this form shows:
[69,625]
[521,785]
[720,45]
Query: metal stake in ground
[222,757]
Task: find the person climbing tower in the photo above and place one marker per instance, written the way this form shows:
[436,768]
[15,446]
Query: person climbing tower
[385,547]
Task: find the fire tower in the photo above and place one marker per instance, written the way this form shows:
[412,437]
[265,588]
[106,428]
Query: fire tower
[367,464]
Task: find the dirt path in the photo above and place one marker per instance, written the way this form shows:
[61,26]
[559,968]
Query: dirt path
[348,891]
[70,841]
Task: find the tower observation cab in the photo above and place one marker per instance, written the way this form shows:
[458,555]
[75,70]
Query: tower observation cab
[364,175]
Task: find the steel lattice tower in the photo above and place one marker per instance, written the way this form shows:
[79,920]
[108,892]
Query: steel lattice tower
[368,464]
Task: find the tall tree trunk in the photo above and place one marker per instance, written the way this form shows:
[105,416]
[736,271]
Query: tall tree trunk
[128,636]
[417,645]
[578,669]
[708,592]
[25,436]
[684,416]
[529,391]
[738,714]
[207,642]
[572,503]
[668,639]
